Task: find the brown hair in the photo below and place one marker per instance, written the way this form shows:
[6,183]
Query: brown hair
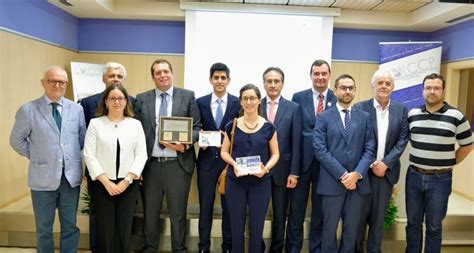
[159,61]
[102,109]
[259,96]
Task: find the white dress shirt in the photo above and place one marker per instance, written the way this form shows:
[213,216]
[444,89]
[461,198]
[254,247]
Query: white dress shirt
[382,128]
[343,114]
[100,147]
[214,104]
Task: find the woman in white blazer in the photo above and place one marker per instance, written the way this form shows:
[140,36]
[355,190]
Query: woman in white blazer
[115,154]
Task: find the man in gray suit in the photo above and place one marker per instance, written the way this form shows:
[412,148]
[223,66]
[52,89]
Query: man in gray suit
[286,117]
[50,131]
[170,166]
[390,128]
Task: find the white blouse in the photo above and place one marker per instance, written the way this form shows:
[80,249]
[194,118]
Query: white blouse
[100,147]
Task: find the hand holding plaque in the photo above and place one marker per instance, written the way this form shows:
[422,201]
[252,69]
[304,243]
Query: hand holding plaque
[176,130]
[248,165]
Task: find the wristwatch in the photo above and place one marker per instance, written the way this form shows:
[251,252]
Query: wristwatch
[128,180]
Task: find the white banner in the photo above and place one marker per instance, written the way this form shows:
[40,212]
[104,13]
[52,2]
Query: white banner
[86,79]
[410,62]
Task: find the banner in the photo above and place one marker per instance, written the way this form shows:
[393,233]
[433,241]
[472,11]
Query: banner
[86,79]
[410,62]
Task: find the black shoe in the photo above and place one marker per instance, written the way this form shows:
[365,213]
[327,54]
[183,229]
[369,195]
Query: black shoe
[226,251]
[204,251]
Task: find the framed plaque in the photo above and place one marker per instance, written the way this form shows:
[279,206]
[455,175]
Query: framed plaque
[176,129]
[248,165]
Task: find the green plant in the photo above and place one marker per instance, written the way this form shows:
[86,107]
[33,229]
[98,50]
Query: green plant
[391,213]
[87,200]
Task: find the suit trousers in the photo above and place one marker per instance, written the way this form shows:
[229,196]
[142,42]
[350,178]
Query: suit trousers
[207,182]
[165,179]
[251,196]
[280,198]
[66,199]
[298,204]
[114,218]
[347,207]
[373,214]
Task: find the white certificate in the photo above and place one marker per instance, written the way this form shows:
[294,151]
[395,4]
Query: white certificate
[248,165]
[210,138]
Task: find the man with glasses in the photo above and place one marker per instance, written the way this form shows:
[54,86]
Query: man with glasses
[435,128]
[113,73]
[311,103]
[286,117]
[50,131]
[344,145]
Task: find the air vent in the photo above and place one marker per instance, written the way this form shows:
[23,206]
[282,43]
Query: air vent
[65,2]
[467,16]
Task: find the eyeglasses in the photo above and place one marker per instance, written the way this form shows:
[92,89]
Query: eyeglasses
[432,88]
[119,99]
[249,99]
[346,88]
[56,82]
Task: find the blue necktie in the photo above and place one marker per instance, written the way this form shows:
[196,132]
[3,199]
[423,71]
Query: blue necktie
[56,115]
[347,121]
[219,113]
[163,110]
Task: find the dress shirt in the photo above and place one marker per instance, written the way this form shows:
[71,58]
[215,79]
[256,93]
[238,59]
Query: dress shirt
[214,104]
[157,151]
[59,107]
[382,128]
[316,98]
[343,114]
[277,102]
[100,148]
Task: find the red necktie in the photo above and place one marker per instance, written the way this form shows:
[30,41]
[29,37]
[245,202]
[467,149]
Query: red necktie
[320,104]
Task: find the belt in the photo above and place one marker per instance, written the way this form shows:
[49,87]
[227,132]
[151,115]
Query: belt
[163,159]
[432,171]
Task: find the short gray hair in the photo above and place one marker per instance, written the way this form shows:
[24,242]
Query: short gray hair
[382,73]
[114,65]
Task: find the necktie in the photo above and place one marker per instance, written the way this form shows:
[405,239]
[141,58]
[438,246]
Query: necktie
[219,113]
[163,110]
[320,107]
[347,121]
[271,112]
[56,115]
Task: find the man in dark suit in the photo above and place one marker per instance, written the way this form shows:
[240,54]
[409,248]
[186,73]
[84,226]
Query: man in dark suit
[312,102]
[217,109]
[113,73]
[389,120]
[286,117]
[170,166]
[344,145]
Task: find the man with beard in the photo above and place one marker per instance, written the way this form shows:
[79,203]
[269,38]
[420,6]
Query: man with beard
[435,127]
[344,145]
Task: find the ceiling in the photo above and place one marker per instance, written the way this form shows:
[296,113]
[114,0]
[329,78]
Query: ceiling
[401,15]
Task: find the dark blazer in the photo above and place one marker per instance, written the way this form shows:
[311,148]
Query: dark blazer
[90,104]
[208,156]
[338,153]
[184,105]
[308,119]
[397,135]
[288,125]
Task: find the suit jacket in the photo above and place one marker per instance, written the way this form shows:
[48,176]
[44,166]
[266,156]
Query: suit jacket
[36,136]
[397,135]
[308,118]
[184,105]
[338,153]
[288,125]
[100,148]
[207,157]
[90,104]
